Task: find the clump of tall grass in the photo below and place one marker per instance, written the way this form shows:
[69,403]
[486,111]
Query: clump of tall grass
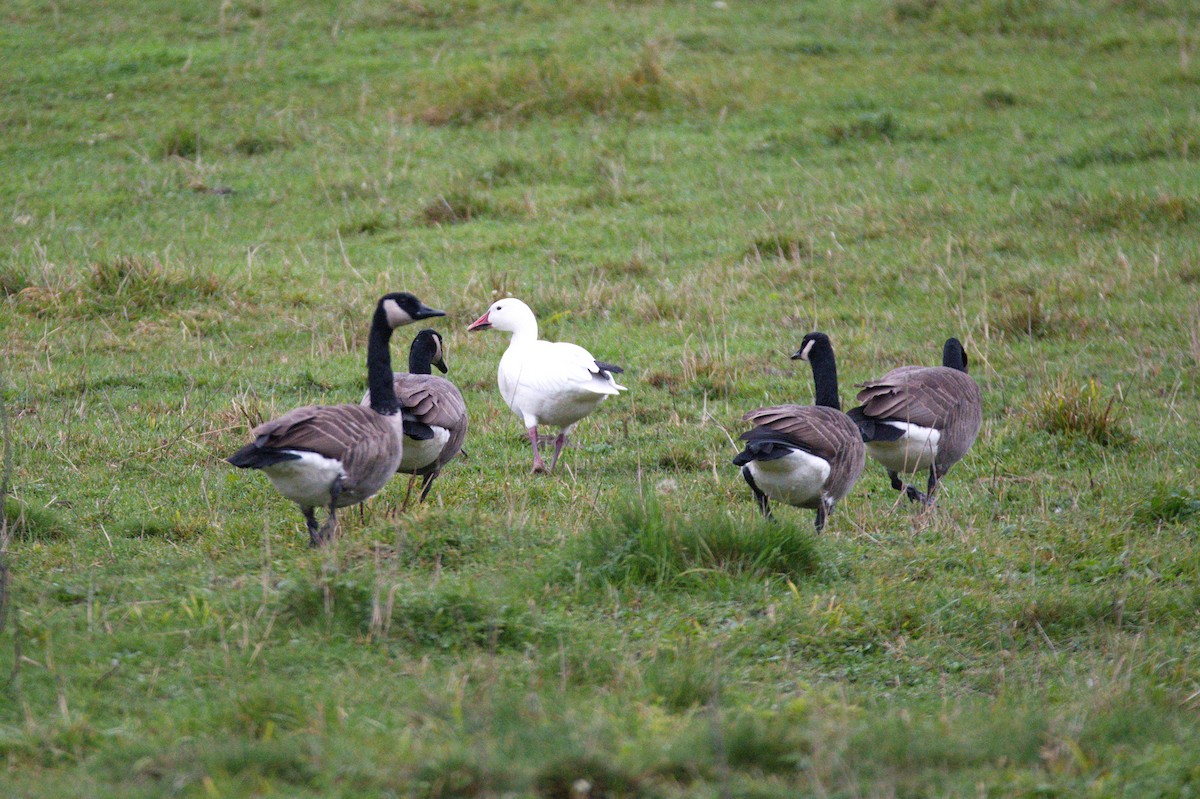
[129,285]
[643,545]
[1176,141]
[1168,504]
[14,279]
[1079,411]
[179,141]
[451,616]
[874,126]
[143,284]
[1023,311]
[27,522]
[549,86]
[456,206]
[1118,210]
[1048,19]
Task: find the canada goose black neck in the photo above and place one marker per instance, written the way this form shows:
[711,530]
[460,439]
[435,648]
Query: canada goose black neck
[953,355]
[379,365]
[425,353]
[817,350]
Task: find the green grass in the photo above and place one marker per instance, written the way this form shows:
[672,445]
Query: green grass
[202,202]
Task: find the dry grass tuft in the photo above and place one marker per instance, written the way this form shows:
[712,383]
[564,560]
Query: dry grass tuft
[1178,141]
[550,86]
[179,141]
[781,246]
[126,285]
[1117,210]
[874,126]
[1022,312]
[1079,411]
[455,207]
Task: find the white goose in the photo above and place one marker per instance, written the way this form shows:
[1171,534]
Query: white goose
[546,382]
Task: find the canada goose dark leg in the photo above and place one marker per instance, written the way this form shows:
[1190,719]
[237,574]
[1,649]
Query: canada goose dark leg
[310,519]
[931,491]
[327,530]
[909,491]
[764,506]
[426,485]
[539,467]
[897,483]
[560,443]
[822,515]
[412,478]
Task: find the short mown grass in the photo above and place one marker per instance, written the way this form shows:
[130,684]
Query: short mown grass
[201,202]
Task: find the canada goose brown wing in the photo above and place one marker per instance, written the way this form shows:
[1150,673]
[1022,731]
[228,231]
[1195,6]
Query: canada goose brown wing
[436,401]
[355,435]
[823,431]
[927,396]
[431,399]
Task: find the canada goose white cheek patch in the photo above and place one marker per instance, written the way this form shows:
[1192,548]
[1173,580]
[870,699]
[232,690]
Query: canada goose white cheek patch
[396,315]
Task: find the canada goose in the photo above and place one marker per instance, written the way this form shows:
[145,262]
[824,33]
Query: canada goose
[546,382]
[435,416]
[921,417]
[805,455]
[338,455]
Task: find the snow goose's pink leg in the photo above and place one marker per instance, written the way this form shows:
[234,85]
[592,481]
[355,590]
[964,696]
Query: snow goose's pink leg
[560,443]
[539,467]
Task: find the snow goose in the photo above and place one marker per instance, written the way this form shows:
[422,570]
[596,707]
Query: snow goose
[435,416]
[546,382]
[337,455]
[921,417]
[807,456]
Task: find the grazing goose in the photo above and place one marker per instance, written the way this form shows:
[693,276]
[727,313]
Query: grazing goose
[921,417]
[805,455]
[435,416]
[338,455]
[546,382]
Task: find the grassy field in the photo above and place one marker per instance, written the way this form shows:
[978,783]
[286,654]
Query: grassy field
[202,201]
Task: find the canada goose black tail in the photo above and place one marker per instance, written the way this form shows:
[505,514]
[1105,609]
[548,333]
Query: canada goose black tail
[870,430]
[611,368]
[763,444]
[417,431]
[253,456]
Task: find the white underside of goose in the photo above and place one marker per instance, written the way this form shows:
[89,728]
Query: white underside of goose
[306,481]
[419,454]
[555,383]
[797,478]
[913,452]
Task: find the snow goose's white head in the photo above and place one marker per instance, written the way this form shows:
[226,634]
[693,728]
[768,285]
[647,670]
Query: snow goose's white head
[509,314]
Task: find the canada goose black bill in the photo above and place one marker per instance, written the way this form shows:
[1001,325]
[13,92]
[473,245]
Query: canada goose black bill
[807,456]
[333,456]
[918,418]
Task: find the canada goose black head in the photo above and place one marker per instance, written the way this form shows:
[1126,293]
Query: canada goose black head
[813,344]
[426,351]
[401,308]
[818,351]
[953,355]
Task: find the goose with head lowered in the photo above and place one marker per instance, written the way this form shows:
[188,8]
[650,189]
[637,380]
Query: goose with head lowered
[921,417]
[808,456]
[333,456]
[435,416]
[546,382]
